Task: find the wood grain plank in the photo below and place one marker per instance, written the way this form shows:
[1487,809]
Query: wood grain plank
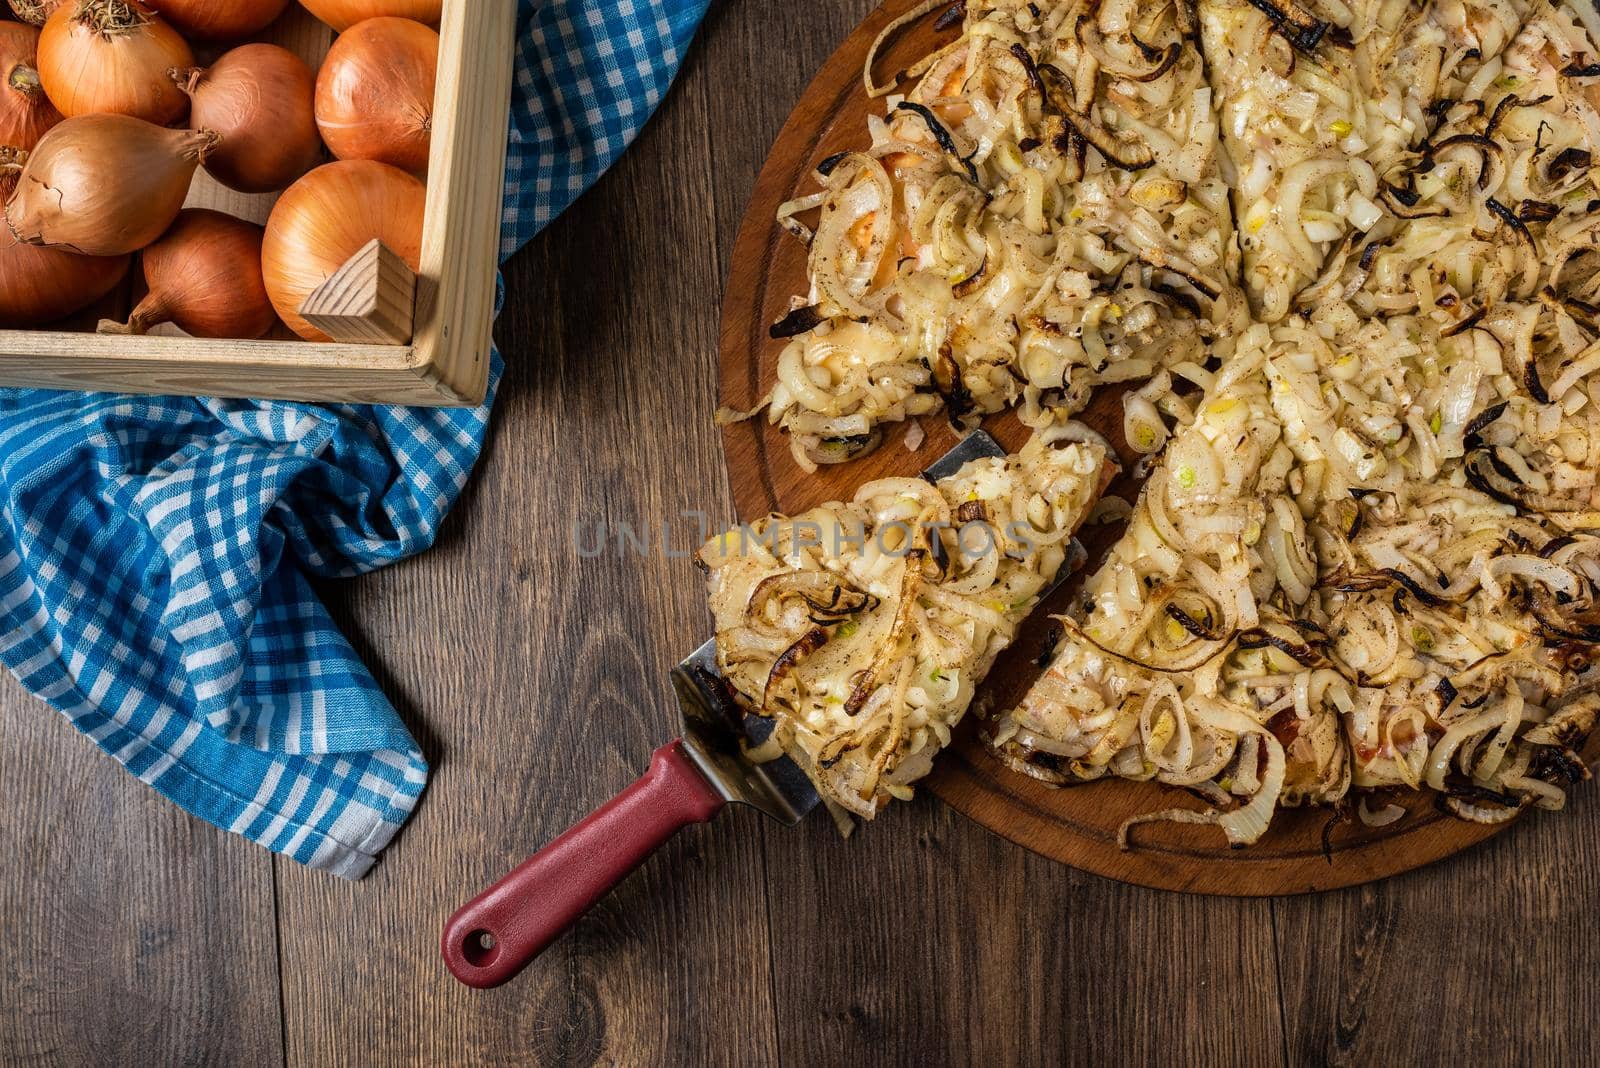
[538,675]
[132,932]
[1485,958]
[929,937]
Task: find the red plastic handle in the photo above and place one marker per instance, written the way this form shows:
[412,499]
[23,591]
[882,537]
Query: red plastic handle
[497,933]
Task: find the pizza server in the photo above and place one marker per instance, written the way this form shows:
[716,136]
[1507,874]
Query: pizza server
[496,934]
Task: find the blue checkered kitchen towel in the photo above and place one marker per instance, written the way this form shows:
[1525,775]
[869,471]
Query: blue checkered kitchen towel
[155,553]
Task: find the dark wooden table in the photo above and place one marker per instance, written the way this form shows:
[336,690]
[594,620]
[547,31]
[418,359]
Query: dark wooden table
[133,934]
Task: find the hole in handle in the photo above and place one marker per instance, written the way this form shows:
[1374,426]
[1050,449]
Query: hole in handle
[481,948]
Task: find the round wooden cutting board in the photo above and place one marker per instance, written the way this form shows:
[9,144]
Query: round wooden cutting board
[1077,825]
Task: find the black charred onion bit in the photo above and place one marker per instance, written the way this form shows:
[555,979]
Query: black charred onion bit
[1488,475]
[1179,297]
[1585,631]
[1192,625]
[797,322]
[1537,211]
[808,643]
[1555,545]
[1506,103]
[1150,51]
[843,603]
[1413,587]
[1446,692]
[941,135]
[1406,196]
[1530,379]
[1487,150]
[1558,767]
[1482,420]
[1402,201]
[1295,25]
[1509,217]
[1030,67]
[1581,70]
[828,163]
[951,16]
[1301,653]
[1566,161]
[1467,791]
[1042,759]
[1378,580]
[947,379]
[972,512]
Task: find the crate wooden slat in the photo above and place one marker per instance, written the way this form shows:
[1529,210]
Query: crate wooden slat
[447,362]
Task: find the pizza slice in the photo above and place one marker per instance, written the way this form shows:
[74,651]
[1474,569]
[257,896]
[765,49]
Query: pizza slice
[1192,659]
[863,628]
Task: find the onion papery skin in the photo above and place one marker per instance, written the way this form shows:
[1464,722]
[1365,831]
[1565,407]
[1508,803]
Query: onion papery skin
[204,275]
[220,20]
[375,93]
[258,98]
[121,69]
[343,14]
[105,185]
[40,285]
[327,217]
[34,12]
[25,111]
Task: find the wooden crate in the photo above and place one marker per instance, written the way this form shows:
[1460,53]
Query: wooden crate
[447,361]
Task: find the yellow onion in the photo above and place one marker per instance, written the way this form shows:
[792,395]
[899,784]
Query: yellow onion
[205,276]
[375,93]
[34,11]
[105,185]
[220,20]
[258,98]
[41,285]
[343,14]
[327,217]
[25,111]
[112,56]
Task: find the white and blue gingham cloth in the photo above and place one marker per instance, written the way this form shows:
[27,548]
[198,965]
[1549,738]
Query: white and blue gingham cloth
[156,553]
